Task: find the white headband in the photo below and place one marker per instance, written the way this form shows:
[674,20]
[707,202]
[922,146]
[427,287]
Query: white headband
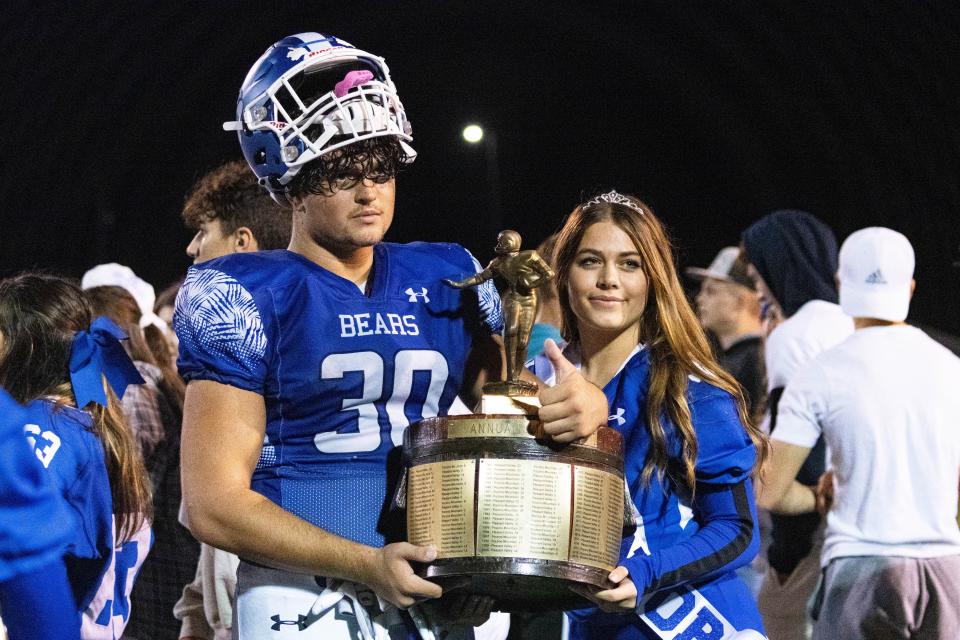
[613,198]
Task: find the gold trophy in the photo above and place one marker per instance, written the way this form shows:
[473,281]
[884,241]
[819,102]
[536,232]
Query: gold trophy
[512,514]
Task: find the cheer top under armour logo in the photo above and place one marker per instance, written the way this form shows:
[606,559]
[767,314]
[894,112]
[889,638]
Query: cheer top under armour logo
[618,416]
[414,295]
[876,278]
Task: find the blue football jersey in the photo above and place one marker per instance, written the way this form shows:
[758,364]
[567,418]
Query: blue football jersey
[342,372]
[34,522]
[684,551]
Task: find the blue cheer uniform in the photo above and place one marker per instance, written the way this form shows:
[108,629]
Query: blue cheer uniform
[685,550]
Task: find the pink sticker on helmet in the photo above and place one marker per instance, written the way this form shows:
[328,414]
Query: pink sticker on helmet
[351,80]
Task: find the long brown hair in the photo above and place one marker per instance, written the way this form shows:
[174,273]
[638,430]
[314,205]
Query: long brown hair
[674,339]
[39,316]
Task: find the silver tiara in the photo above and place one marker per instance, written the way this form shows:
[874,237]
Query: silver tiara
[613,198]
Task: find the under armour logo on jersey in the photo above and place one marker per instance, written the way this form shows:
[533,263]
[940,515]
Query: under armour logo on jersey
[876,278]
[618,416]
[414,295]
[302,621]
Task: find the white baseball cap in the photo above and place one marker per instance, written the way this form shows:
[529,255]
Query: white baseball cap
[112,274]
[876,271]
[724,267]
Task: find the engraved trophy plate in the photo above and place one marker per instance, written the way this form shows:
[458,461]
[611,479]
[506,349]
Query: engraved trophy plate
[441,509]
[515,517]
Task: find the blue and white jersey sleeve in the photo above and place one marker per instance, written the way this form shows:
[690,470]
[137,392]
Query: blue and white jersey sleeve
[221,331]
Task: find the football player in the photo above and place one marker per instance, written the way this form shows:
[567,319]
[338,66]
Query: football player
[304,366]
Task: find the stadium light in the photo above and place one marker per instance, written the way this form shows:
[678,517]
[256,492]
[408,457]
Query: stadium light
[473,133]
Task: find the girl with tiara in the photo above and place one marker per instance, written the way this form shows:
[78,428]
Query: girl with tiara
[689,448]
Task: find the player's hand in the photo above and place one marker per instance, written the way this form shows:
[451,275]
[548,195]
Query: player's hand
[573,408]
[620,599]
[392,576]
[824,493]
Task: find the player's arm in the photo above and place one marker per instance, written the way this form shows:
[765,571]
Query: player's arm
[223,430]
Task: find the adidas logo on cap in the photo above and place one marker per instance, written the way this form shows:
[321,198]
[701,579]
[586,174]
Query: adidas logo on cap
[876,278]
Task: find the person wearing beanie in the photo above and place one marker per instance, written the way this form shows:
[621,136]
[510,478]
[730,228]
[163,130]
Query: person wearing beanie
[884,400]
[793,258]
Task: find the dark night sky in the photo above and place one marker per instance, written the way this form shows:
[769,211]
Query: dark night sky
[714,112]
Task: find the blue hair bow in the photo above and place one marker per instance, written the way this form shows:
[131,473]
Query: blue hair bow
[96,354]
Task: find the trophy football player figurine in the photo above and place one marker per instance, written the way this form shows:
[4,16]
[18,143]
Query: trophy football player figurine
[523,272]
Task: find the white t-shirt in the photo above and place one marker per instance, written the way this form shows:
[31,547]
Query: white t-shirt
[886,402]
[816,326]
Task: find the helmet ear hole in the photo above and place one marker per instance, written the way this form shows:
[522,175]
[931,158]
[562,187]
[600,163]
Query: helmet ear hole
[260,157]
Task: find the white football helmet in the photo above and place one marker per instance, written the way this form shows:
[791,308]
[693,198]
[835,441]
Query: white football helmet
[308,95]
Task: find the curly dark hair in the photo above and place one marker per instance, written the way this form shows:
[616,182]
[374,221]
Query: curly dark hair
[230,193]
[378,159]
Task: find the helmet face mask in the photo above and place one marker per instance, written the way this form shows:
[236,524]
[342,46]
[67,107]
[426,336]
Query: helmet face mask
[289,112]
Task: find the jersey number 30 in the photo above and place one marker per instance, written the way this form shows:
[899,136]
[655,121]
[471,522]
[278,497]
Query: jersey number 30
[370,365]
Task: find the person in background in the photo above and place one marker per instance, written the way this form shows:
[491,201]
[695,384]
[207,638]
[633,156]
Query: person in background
[885,401]
[231,213]
[35,596]
[154,411]
[729,308]
[68,369]
[793,258]
[163,307]
[689,447]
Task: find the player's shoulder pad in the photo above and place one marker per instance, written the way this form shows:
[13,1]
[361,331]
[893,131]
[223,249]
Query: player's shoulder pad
[449,252]
[255,269]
